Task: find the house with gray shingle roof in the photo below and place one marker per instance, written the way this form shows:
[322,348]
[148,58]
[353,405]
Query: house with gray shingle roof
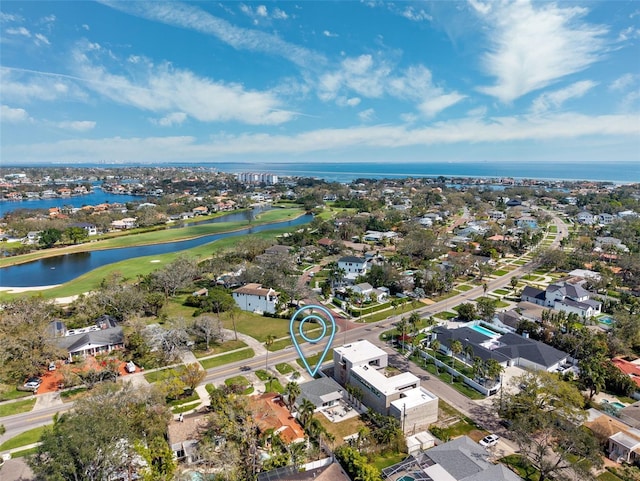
[563,296]
[323,392]
[461,459]
[104,335]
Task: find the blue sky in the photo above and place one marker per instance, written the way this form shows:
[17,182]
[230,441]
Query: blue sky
[320,81]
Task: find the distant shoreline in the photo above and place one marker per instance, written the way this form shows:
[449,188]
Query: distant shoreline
[546,171]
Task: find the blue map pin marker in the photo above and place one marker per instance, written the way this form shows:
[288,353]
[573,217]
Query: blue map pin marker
[312,317]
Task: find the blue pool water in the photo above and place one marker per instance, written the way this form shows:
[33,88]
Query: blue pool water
[406,478]
[484,331]
[605,320]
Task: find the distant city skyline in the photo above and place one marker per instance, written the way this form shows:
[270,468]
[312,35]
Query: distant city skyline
[314,82]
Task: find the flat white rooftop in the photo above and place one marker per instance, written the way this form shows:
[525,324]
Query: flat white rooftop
[413,398]
[360,352]
[386,385]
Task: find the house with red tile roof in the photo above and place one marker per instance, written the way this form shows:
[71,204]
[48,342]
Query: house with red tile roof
[270,413]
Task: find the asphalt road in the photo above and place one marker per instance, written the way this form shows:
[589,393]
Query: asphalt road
[19,423]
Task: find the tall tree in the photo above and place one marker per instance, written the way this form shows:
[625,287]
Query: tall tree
[268,342]
[292,391]
[175,275]
[546,414]
[49,237]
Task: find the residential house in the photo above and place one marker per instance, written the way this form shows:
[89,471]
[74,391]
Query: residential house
[32,237]
[611,243]
[323,392]
[200,210]
[585,218]
[271,415]
[184,436]
[255,298]
[527,222]
[90,229]
[563,296]
[631,369]
[105,335]
[353,267]
[361,364]
[126,223]
[496,215]
[509,349]
[367,291]
[461,459]
[605,219]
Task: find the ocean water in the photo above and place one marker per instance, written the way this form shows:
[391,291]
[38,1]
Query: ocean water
[611,171]
[618,172]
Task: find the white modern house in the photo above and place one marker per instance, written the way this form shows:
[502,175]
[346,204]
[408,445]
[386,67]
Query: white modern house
[255,298]
[353,267]
[361,365]
[563,296]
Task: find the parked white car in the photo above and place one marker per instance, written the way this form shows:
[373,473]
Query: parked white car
[130,367]
[490,440]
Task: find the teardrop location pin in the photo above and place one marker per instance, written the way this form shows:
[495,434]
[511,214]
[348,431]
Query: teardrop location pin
[324,324]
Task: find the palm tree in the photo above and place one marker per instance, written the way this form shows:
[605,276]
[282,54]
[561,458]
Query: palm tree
[268,342]
[402,327]
[478,368]
[493,369]
[456,348]
[468,352]
[514,283]
[292,390]
[435,346]
[305,412]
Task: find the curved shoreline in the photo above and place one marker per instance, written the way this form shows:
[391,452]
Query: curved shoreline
[61,251]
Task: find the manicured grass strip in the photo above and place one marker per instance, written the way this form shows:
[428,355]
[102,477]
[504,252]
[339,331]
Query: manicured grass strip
[608,476]
[464,287]
[14,394]
[161,374]
[312,360]
[502,292]
[281,344]
[17,407]
[227,358]
[446,315]
[178,402]
[226,346]
[262,374]
[23,439]
[284,368]
[183,408]
[69,393]
[24,452]
[274,386]
[240,381]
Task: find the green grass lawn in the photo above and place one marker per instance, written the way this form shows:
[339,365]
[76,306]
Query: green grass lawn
[274,386]
[284,368]
[71,394]
[183,408]
[500,272]
[464,287]
[342,429]
[13,393]
[226,346]
[23,439]
[161,374]
[446,315]
[312,360]
[185,400]
[280,344]
[381,461]
[502,292]
[131,268]
[522,467]
[247,387]
[227,358]
[17,407]
[608,476]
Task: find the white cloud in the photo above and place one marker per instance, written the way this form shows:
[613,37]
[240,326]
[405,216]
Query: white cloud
[629,33]
[13,116]
[194,18]
[174,118]
[367,115]
[77,125]
[86,27]
[435,105]
[353,101]
[624,82]
[21,31]
[554,100]
[166,89]
[27,86]
[329,34]
[261,11]
[41,39]
[416,15]
[533,46]
[464,131]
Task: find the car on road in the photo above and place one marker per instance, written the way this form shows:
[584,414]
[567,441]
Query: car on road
[490,440]
[245,368]
[33,383]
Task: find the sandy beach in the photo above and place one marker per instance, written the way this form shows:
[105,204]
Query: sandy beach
[20,290]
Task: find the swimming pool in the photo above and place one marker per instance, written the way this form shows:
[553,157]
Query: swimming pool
[484,331]
[615,404]
[606,320]
[406,478]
